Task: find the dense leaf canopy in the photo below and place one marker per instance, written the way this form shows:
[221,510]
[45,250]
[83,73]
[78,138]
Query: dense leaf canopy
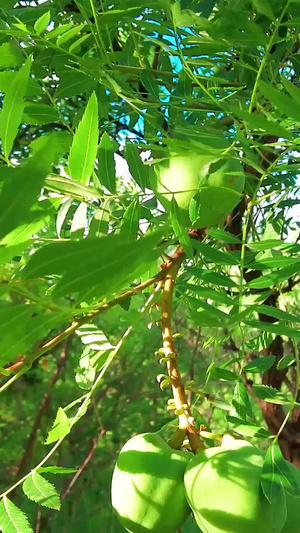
[95,97]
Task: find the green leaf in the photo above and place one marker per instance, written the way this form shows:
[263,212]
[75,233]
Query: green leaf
[268,244]
[268,394]
[292,89]
[8,252]
[223,373]
[94,267]
[36,114]
[149,82]
[264,7]
[285,361]
[41,24]
[106,157]
[63,140]
[138,170]
[179,228]
[273,262]
[41,491]
[12,519]
[259,122]
[222,235]
[215,256]
[216,296]
[277,475]
[242,427]
[215,278]
[276,313]
[71,188]
[79,221]
[21,326]
[285,104]
[84,147]
[130,221]
[56,470]
[22,189]
[260,342]
[260,364]
[73,83]
[61,427]
[241,402]
[277,328]
[67,35]
[10,56]
[100,223]
[91,336]
[13,107]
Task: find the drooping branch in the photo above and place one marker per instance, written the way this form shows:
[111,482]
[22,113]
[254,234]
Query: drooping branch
[26,362]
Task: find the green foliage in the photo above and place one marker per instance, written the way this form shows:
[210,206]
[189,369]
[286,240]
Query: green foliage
[85,90]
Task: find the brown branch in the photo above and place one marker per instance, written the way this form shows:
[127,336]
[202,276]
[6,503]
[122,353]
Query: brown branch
[84,464]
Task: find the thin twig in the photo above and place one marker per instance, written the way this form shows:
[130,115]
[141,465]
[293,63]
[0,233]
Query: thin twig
[84,464]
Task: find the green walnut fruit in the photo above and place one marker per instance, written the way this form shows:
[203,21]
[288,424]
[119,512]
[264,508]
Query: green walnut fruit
[292,524]
[206,180]
[147,486]
[223,489]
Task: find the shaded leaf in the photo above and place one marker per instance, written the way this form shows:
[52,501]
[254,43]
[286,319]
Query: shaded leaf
[179,228]
[260,364]
[277,328]
[138,170]
[10,56]
[35,113]
[268,394]
[130,221]
[22,189]
[94,267]
[277,475]
[241,402]
[21,326]
[285,361]
[215,256]
[285,104]
[106,157]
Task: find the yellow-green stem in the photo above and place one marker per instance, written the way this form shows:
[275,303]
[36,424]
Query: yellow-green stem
[186,422]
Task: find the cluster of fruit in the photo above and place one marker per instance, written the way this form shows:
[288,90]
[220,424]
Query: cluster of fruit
[155,488]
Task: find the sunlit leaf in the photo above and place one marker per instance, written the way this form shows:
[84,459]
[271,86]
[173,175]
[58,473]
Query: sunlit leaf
[61,427]
[13,107]
[12,519]
[84,147]
[41,491]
